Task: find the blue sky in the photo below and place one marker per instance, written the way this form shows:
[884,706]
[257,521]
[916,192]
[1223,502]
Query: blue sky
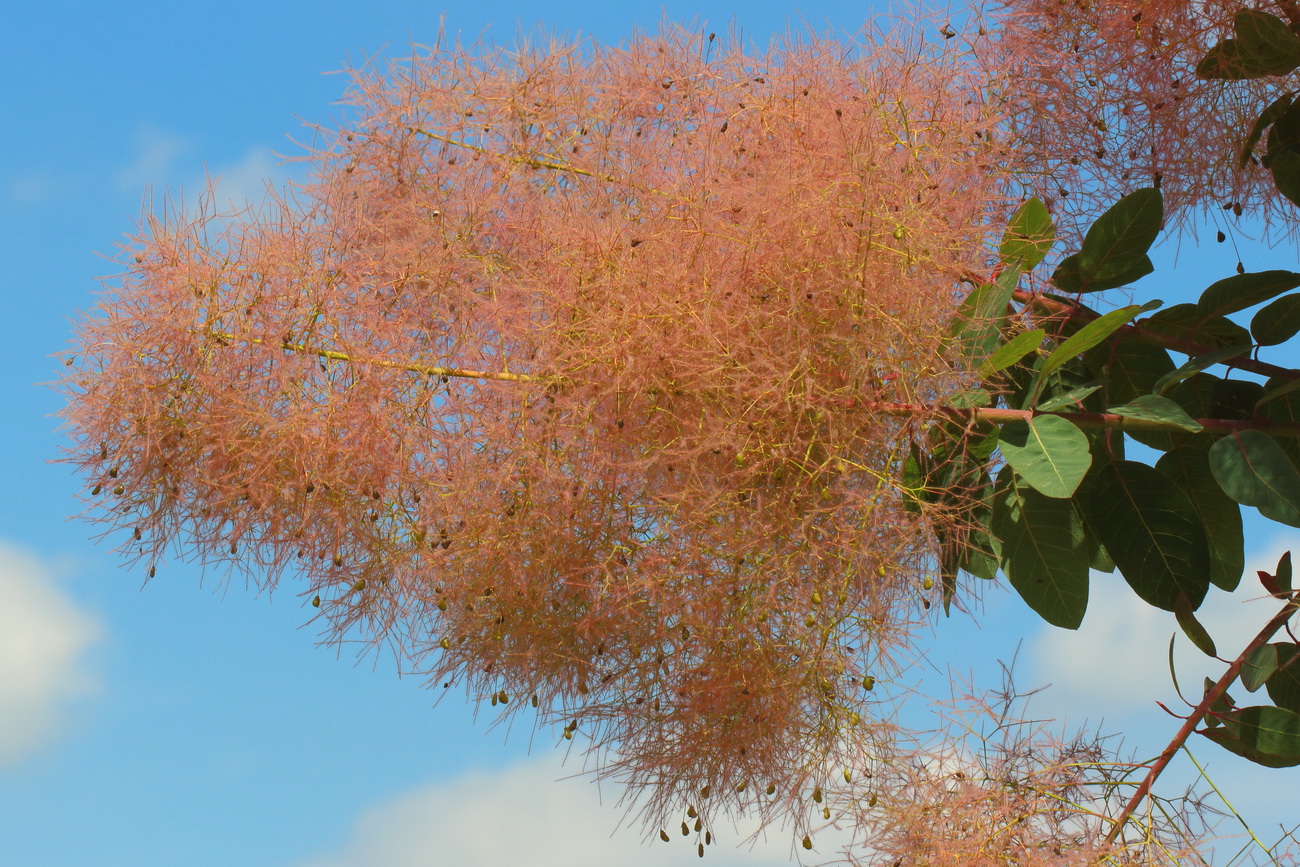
[189,723]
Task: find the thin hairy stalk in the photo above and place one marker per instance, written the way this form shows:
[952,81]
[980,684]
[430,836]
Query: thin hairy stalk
[336,355]
[1224,798]
[1199,713]
[964,415]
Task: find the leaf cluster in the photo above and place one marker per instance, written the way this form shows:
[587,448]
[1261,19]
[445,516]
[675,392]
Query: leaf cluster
[1064,387]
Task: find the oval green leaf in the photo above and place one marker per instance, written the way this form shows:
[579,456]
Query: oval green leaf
[1244,290]
[1114,251]
[1277,322]
[1044,554]
[1253,470]
[1151,531]
[1090,335]
[1012,351]
[1189,469]
[1029,235]
[1185,322]
[1048,452]
[1273,731]
[1192,627]
[1258,667]
[1284,685]
[1160,409]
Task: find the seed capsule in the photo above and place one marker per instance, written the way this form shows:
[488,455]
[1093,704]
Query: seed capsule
[807,841]
[663,835]
[686,832]
[817,794]
[700,849]
[315,602]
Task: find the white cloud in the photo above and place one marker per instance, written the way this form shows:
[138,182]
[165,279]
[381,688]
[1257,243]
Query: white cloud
[43,641]
[156,155]
[1117,662]
[528,814]
[37,188]
[244,183]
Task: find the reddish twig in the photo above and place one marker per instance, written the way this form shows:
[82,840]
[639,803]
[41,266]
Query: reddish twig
[1198,714]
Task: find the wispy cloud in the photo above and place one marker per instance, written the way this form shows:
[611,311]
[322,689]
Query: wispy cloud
[37,188]
[155,160]
[44,638]
[526,814]
[244,183]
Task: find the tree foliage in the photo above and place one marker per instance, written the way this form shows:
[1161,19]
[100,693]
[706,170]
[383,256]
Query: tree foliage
[662,390]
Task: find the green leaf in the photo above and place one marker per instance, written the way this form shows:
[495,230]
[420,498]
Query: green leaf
[1100,559]
[1264,46]
[1197,364]
[1043,551]
[1012,351]
[1157,408]
[1029,236]
[1196,397]
[1258,667]
[979,319]
[1185,322]
[1189,469]
[1267,41]
[1192,627]
[1233,743]
[1071,398]
[1235,398]
[1132,368]
[1151,531]
[1284,685]
[1244,290]
[1281,403]
[1277,322]
[1273,731]
[1114,251]
[1285,166]
[975,397]
[1253,470]
[1090,335]
[1224,61]
[1047,452]
[1267,118]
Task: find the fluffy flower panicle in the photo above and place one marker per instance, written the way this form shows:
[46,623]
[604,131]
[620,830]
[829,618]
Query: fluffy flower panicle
[558,379]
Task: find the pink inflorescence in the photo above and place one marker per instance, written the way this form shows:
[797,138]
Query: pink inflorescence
[557,380]
[1103,99]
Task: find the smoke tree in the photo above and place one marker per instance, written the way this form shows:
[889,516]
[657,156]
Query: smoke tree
[660,391]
